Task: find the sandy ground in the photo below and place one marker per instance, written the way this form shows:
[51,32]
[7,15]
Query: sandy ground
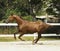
[27,46]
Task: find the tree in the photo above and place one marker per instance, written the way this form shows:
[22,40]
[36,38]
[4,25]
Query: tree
[29,7]
[54,8]
[34,7]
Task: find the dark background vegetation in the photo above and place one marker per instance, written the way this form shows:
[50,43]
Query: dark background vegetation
[25,8]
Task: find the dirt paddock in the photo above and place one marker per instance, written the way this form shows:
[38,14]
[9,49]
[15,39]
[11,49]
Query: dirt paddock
[27,45]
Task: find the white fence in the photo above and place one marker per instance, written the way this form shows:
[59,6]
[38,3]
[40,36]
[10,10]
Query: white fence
[9,24]
[15,24]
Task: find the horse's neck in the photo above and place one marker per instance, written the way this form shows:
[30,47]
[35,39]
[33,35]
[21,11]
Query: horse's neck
[18,20]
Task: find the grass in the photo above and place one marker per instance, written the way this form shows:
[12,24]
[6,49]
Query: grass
[9,39]
[6,39]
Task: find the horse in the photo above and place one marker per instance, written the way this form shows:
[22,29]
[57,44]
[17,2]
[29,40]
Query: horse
[29,27]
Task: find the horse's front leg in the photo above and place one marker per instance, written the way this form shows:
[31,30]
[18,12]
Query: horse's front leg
[15,35]
[21,34]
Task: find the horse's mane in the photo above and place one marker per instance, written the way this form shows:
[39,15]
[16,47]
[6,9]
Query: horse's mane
[21,17]
[38,21]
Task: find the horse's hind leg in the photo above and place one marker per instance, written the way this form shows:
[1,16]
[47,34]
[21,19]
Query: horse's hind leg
[36,40]
[20,37]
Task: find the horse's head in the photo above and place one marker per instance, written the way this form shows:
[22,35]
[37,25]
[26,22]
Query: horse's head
[10,19]
[14,18]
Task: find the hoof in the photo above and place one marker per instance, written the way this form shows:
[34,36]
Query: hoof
[34,43]
[22,40]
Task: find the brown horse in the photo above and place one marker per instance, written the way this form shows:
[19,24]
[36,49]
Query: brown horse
[26,27]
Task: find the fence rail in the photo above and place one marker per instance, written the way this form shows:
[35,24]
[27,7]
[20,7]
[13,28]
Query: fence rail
[9,24]
[15,24]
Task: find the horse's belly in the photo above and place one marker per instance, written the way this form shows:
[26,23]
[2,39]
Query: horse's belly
[31,30]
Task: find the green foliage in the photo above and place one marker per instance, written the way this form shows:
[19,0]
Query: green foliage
[26,7]
[54,8]
[19,7]
[9,12]
[29,18]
